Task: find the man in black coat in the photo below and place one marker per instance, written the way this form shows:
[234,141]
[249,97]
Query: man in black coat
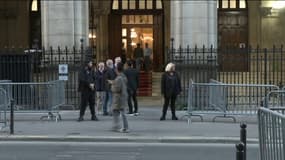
[87,89]
[133,83]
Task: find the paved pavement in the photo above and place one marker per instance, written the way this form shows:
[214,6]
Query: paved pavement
[143,128]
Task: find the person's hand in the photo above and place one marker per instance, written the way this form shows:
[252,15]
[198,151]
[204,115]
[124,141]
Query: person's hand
[110,81]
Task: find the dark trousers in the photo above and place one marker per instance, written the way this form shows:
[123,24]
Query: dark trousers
[166,104]
[87,97]
[132,96]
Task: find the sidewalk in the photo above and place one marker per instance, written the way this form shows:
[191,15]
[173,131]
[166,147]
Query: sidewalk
[143,128]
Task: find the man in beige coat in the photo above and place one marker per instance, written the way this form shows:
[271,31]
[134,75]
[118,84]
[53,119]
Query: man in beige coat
[119,101]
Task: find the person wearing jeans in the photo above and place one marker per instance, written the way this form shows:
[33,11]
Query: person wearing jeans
[109,75]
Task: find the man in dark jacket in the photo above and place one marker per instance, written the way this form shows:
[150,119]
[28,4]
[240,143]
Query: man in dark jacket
[100,86]
[87,89]
[110,74]
[138,55]
[133,82]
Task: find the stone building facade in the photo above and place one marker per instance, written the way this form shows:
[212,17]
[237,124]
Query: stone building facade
[110,25]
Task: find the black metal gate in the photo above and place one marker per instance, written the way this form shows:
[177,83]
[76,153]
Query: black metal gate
[256,66]
[43,65]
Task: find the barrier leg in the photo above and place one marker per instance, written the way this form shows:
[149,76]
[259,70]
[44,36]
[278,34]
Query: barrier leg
[225,116]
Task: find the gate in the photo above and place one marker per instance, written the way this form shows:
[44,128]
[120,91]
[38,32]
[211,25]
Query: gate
[42,65]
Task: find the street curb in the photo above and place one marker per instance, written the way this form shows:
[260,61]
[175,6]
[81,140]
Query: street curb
[133,139]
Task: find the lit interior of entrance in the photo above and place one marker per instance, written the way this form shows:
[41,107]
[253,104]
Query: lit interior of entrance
[136,29]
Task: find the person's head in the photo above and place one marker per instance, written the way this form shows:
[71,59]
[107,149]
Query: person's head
[118,60]
[170,67]
[146,45]
[138,45]
[109,63]
[130,63]
[89,64]
[101,66]
[119,68]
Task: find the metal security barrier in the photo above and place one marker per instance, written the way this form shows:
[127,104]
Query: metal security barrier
[275,99]
[271,126]
[43,97]
[4,103]
[225,100]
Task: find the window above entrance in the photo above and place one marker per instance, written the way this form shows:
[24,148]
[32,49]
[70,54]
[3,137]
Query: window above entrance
[232,4]
[137,19]
[136,4]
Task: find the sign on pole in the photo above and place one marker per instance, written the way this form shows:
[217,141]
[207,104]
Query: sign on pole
[63,72]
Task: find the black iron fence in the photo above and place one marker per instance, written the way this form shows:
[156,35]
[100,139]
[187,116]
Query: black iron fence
[229,65]
[42,65]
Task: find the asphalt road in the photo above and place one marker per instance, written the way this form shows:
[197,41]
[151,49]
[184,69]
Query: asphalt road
[120,151]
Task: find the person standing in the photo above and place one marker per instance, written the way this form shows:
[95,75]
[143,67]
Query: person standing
[133,82]
[120,95]
[124,54]
[100,86]
[138,55]
[170,88]
[87,89]
[147,53]
[110,74]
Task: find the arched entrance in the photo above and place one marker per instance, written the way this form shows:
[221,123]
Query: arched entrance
[233,35]
[136,21]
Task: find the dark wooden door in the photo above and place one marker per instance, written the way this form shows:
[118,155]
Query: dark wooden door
[233,40]
[158,53]
[115,35]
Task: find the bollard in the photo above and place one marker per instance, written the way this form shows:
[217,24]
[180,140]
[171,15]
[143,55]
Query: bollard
[243,137]
[12,117]
[240,151]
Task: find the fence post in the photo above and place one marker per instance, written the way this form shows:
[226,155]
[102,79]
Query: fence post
[12,117]
[243,137]
[265,66]
[240,151]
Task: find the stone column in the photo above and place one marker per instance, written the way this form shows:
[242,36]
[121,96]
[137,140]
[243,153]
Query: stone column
[64,23]
[194,23]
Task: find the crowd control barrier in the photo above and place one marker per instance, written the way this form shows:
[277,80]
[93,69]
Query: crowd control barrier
[45,97]
[4,103]
[225,100]
[271,125]
[275,99]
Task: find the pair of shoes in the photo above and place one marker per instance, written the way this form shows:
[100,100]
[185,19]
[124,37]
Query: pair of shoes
[130,114]
[136,113]
[124,130]
[162,118]
[94,118]
[174,118]
[105,114]
[80,119]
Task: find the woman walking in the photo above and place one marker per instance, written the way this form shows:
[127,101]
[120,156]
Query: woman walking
[170,88]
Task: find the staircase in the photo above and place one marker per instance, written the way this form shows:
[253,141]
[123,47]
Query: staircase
[149,84]
[156,84]
[145,84]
